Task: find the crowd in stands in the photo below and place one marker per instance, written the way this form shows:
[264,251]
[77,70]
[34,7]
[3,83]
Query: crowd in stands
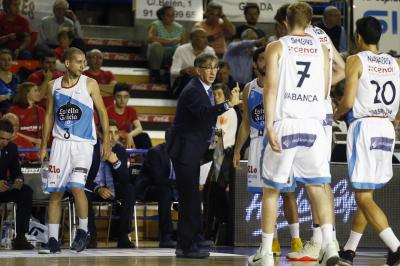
[170,47]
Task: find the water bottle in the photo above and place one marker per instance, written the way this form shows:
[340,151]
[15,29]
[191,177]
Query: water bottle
[44,173]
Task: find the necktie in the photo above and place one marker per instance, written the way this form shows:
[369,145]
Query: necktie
[210,96]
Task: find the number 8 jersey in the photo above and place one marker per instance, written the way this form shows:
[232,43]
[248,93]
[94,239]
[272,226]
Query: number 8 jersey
[73,112]
[377,92]
[301,85]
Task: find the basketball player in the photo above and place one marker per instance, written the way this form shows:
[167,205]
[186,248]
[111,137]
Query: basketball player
[70,107]
[295,90]
[253,124]
[372,96]
[311,249]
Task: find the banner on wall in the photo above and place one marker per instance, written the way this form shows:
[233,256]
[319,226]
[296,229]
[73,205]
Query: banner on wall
[35,10]
[233,9]
[387,12]
[185,10]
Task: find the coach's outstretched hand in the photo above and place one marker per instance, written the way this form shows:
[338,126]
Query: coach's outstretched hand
[235,99]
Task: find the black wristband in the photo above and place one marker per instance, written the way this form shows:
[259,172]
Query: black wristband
[116,165]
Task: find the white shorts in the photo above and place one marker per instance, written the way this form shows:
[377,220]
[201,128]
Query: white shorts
[69,165]
[254,182]
[303,155]
[370,145]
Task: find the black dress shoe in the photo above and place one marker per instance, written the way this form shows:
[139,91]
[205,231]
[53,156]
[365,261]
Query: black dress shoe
[124,242]
[20,243]
[202,242]
[193,253]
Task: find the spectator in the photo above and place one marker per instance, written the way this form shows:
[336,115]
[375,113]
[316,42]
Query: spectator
[331,24]
[112,183]
[49,27]
[127,119]
[30,115]
[64,37]
[21,142]
[224,75]
[15,32]
[12,187]
[104,78]
[42,76]
[239,56]
[156,182]
[251,14]
[8,81]
[218,28]
[216,193]
[182,69]
[164,36]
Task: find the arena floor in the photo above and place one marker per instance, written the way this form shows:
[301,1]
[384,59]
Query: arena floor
[155,256]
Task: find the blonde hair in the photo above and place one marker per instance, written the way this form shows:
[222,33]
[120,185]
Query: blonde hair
[299,14]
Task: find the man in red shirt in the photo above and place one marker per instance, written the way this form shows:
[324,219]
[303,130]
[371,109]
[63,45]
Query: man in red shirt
[15,33]
[44,75]
[105,78]
[132,134]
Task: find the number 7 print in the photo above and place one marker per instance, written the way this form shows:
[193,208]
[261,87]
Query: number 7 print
[303,74]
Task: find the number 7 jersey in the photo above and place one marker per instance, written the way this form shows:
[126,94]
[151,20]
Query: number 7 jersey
[301,84]
[377,92]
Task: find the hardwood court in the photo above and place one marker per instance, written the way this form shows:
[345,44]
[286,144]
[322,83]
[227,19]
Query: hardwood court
[154,257]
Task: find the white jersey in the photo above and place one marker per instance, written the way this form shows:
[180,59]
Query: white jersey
[378,87]
[301,85]
[320,35]
[73,112]
[256,109]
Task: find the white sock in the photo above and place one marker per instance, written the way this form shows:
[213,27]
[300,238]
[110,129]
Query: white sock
[53,230]
[266,244]
[317,235]
[327,230]
[352,242]
[390,239]
[83,224]
[294,230]
[276,232]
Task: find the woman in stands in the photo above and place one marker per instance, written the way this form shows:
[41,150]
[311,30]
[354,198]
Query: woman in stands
[30,115]
[8,81]
[164,36]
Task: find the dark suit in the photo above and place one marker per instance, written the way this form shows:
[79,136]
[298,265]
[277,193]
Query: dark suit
[156,183]
[124,191]
[10,170]
[189,140]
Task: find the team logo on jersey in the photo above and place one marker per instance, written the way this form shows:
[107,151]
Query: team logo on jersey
[69,113]
[257,113]
[381,143]
[295,140]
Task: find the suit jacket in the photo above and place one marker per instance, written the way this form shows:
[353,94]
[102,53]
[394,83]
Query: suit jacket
[194,120]
[9,163]
[156,170]
[119,175]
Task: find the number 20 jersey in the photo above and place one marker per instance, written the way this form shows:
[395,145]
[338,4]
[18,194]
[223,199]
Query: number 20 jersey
[73,112]
[301,84]
[378,87]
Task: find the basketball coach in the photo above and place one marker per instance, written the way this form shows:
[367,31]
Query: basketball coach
[196,116]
